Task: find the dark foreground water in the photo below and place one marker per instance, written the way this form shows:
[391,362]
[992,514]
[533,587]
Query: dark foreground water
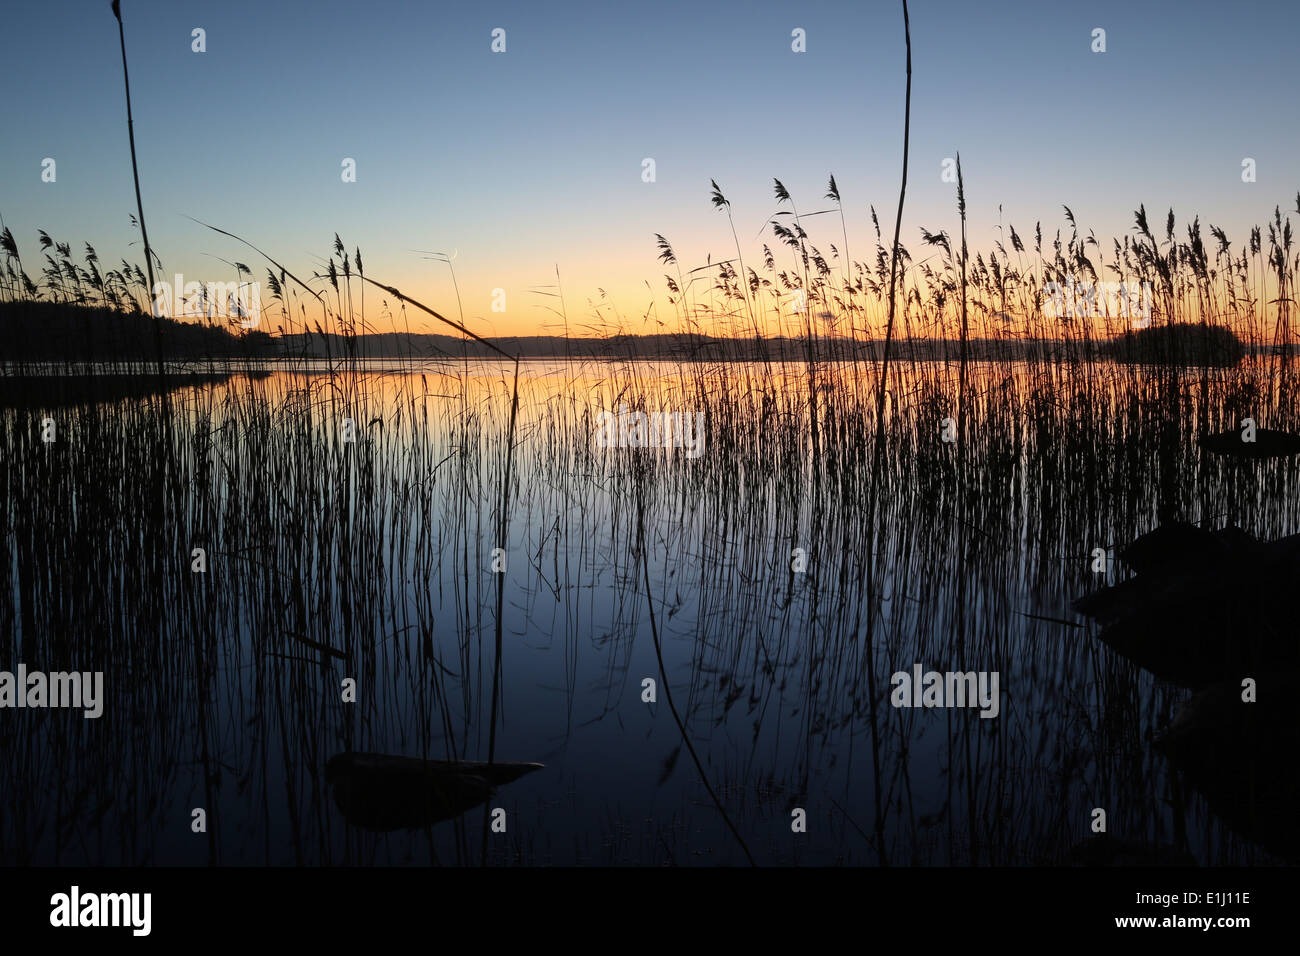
[346,601]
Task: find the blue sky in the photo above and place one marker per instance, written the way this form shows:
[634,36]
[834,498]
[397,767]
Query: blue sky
[531,159]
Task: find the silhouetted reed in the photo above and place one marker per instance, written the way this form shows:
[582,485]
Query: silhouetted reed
[347,509]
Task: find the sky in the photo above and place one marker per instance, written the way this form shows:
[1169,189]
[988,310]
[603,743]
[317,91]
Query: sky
[529,161]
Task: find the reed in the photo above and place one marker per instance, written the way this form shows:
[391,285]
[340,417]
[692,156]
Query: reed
[370,559]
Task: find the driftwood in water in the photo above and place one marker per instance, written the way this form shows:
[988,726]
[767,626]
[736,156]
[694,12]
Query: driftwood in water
[382,792]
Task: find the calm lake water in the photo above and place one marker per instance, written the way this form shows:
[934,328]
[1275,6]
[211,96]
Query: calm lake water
[219,695]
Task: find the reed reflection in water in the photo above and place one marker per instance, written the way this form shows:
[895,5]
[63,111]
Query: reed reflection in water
[372,560]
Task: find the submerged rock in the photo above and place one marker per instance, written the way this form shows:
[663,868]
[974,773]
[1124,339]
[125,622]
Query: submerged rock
[1240,756]
[1203,606]
[1209,610]
[1179,544]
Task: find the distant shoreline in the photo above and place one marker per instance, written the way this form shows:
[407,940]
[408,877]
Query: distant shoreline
[41,333]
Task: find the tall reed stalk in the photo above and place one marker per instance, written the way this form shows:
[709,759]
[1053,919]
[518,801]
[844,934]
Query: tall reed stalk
[139,200]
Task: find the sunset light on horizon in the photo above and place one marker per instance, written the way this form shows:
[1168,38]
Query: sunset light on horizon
[858,439]
[529,162]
